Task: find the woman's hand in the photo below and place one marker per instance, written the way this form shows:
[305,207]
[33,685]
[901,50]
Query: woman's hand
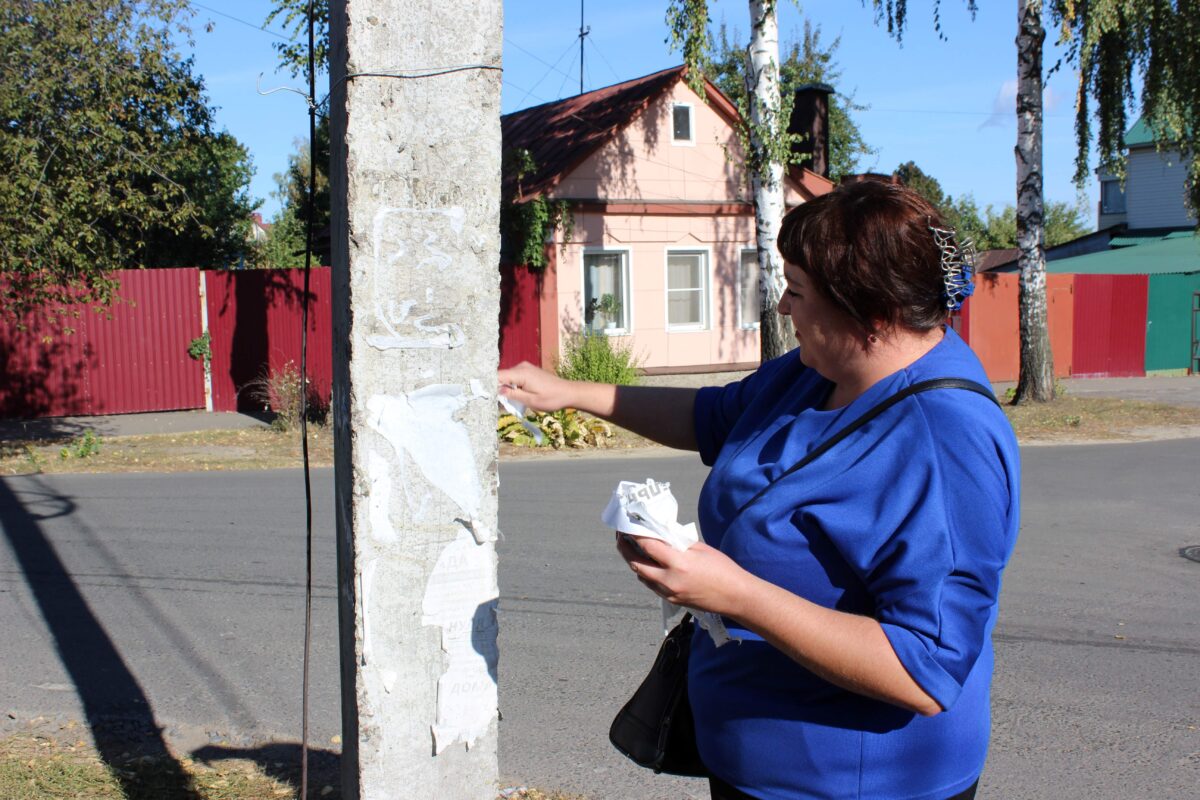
[700,577]
[537,388]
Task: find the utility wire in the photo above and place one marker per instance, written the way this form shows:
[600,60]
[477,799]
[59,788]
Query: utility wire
[267,31]
[308,537]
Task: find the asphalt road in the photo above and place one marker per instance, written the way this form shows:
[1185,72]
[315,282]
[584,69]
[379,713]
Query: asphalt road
[133,602]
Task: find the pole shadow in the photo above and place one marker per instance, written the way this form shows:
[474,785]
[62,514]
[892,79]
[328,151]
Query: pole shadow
[117,709]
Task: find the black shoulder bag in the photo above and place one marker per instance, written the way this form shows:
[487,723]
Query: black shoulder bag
[655,727]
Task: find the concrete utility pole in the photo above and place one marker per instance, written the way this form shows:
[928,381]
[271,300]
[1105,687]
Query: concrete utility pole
[416,189]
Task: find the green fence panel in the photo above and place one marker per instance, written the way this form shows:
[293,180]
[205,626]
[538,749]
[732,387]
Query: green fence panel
[1169,322]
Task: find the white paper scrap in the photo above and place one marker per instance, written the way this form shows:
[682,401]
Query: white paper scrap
[461,598]
[517,409]
[650,509]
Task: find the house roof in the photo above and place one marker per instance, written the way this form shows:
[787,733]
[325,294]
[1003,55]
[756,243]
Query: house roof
[1139,135]
[990,259]
[561,134]
[1163,256]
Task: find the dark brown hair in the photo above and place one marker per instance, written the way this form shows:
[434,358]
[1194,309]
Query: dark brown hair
[867,247]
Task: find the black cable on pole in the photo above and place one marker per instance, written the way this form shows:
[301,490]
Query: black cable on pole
[304,302]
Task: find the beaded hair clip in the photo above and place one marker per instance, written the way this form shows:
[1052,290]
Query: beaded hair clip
[958,267]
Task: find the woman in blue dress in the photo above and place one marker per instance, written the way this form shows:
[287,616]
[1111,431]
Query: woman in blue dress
[863,587]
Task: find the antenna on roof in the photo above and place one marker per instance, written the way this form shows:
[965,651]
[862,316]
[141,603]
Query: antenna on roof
[582,33]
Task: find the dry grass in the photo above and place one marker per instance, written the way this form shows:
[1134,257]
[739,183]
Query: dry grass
[1100,418]
[1067,419]
[36,767]
[42,768]
[254,448]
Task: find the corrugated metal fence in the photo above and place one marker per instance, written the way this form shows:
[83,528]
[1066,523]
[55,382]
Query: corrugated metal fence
[133,358]
[254,320]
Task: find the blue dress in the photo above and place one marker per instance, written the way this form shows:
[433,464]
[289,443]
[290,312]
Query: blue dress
[909,520]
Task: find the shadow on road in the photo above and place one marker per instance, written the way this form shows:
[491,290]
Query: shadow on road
[281,761]
[117,709]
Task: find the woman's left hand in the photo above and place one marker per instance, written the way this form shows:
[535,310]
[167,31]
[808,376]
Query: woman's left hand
[700,577]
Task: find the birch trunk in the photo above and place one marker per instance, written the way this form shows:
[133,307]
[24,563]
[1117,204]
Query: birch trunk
[766,174]
[1036,381]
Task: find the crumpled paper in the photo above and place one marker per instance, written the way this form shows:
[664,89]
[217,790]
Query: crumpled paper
[650,509]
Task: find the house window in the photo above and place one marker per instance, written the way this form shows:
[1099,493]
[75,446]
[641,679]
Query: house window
[1112,198]
[681,123]
[687,289]
[606,292]
[748,296]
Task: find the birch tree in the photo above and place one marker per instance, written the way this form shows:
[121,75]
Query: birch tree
[1036,378]
[767,144]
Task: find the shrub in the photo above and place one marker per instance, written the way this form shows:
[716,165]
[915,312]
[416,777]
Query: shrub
[85,446]
[566,428]
[594,357]
[279,392]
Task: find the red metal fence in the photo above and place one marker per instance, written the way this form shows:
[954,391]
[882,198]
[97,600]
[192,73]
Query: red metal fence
[1110,325]
[133,357]
[520,330]
[254,321]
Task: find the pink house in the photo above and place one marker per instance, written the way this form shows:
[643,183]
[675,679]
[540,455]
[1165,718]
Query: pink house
[660,252]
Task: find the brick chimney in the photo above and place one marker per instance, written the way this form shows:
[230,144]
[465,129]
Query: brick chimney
[810,118]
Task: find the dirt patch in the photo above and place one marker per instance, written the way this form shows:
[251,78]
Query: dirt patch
[1084,420]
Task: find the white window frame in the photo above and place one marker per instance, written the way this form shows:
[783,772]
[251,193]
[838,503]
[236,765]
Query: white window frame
[706,290]
[746,326]
[627,275]
[691,140]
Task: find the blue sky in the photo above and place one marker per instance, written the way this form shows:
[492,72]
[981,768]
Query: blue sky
[947,105]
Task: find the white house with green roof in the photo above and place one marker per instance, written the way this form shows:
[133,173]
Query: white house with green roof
[1154,194]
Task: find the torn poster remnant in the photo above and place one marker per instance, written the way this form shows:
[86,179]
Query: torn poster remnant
[461,598]
[421,425]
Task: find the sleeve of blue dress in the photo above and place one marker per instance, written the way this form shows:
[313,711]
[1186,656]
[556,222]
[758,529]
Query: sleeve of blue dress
[930,544]
[718,408]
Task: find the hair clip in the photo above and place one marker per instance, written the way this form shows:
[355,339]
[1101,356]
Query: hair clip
[958,267]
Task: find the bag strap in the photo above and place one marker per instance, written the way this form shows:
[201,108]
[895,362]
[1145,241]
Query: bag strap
[870,414]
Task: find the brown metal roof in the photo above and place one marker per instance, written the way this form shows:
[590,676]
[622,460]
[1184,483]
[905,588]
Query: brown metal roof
[990,259]
[561,134]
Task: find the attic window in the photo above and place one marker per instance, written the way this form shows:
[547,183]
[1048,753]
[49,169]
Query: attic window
[1112,198]
[681,123]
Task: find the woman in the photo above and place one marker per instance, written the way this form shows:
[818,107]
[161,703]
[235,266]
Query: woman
[864,586]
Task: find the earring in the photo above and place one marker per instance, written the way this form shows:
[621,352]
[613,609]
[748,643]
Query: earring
[872,339]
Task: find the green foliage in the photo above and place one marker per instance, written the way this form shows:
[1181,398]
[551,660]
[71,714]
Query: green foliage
[808,60]
[84,447]
[200,348]
[594,357]
[1117,46]
[293,55]
[283,393]
[763,133]
[565,428]
[108,154]
[528,226]
[991,229]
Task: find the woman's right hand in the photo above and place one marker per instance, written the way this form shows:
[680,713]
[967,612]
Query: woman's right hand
[536,388]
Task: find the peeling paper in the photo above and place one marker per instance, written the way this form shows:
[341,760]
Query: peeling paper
[461,597]
[448,335]
[380,498]
[421,425]
[368,581]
